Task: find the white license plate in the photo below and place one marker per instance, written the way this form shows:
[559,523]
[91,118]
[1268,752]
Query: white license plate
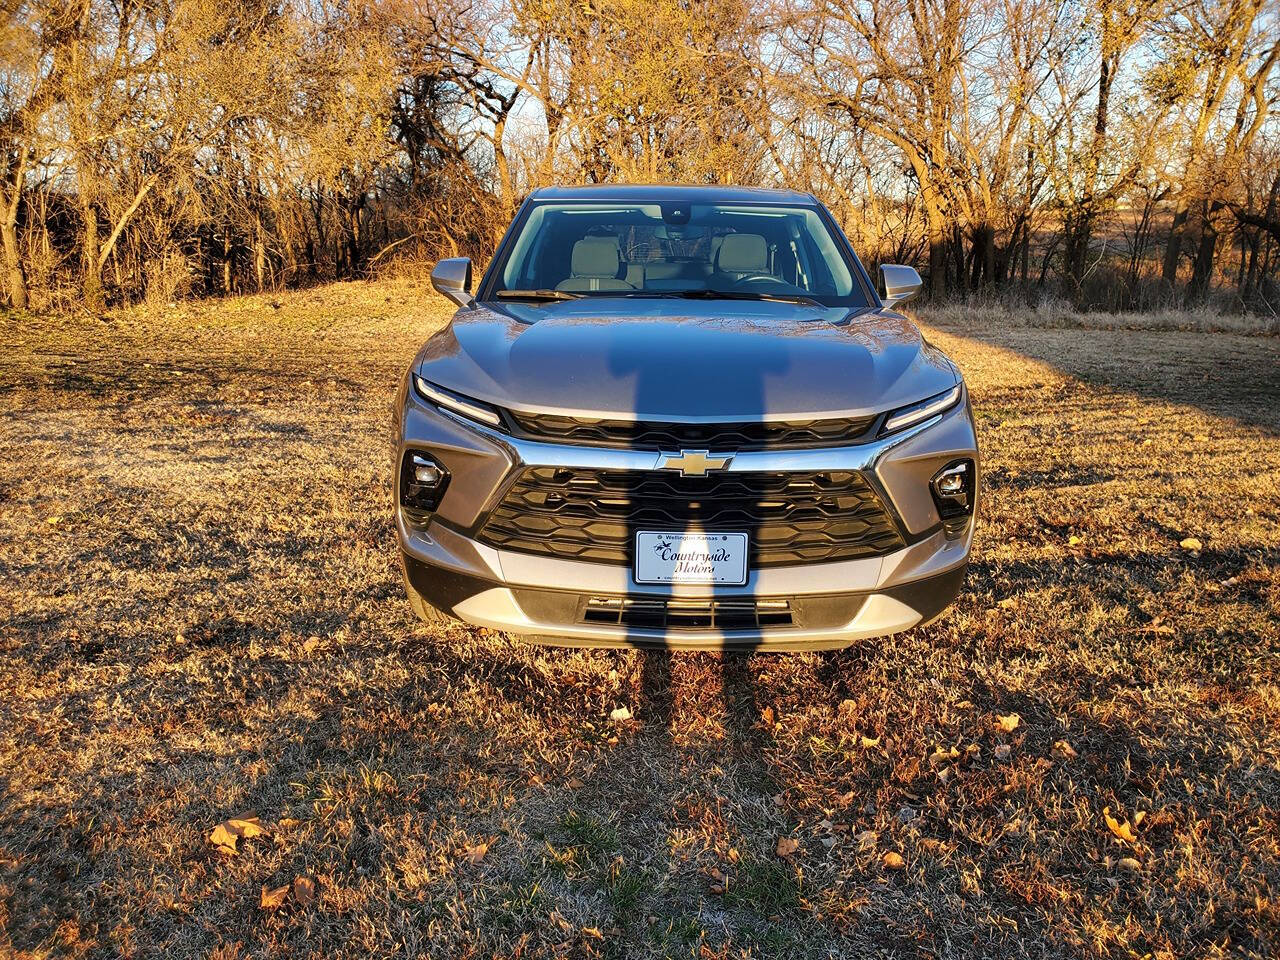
[691,558]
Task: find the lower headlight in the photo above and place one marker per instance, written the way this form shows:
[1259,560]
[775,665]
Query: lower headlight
[953,490]
[423,480]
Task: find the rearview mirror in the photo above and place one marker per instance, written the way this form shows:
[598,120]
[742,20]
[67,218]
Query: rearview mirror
[900,283]
[452,278]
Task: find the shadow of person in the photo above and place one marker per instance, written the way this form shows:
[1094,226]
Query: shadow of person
[698,388]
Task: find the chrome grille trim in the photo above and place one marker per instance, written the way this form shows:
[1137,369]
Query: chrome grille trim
[664,435]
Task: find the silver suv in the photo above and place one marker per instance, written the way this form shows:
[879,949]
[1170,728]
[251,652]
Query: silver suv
[682,417]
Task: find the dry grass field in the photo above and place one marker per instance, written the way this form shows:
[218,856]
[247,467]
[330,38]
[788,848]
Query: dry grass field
[201,618]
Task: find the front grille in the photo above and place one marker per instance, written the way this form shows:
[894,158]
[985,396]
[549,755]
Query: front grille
[641,434]
[789,518]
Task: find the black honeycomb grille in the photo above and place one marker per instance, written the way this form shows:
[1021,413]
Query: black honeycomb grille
[789,518]
[642,435]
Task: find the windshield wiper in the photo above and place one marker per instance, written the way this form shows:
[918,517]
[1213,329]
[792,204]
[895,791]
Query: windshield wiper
[726,295]
[537,295]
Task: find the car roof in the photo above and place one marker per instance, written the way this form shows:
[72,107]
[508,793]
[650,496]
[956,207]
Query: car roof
[672,193]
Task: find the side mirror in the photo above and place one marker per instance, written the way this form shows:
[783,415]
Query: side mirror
[900,283]
[452,277]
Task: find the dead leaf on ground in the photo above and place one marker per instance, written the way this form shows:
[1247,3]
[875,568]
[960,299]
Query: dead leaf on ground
[870,743]
[273,898]
[620,714]
[1121,830]
[573,783]
[593,932]
[1191,543]
[1130,864]
[893,861]
[226,835]
[304,890]
[476,852]
[1064,749]
[1008,723]
[787,846]
[1002,751]
[941,756]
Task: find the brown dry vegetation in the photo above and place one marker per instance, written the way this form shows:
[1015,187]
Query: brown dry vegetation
[202,617]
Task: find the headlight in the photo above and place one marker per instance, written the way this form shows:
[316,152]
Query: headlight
[472,409]
[919,412]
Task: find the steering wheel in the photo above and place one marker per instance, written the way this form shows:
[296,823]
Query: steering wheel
[754,277]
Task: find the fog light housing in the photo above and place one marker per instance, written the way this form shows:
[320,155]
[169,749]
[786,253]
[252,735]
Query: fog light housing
[423,480]
[953,494]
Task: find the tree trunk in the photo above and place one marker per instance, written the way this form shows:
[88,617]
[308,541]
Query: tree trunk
[1202,270]
[1173,249]
[13,265]
[938,263]
[93,299]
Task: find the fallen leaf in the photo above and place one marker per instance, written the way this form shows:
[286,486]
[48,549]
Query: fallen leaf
[1064,749]
[310,644]
[304,890]
[1008,723]
[1130,864]
[1002,751]
[767,716]
[787,846]
[893,861]
[53,520]
[273,899]
[869,743]
[941,756]
[867,839]
[226,835]
[1138,818]
[593,932]
[1074,541]
[1121,830]
[574,783]
[1191,543]
[476,852]
[620,714]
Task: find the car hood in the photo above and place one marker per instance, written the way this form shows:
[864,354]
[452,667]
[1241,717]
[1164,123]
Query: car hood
[681,360]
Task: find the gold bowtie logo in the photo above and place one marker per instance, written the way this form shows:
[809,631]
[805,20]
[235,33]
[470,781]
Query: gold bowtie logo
[693,463]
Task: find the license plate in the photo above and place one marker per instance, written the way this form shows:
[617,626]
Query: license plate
[691,558]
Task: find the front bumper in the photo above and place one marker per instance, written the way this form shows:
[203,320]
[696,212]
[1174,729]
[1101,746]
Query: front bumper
[544,597]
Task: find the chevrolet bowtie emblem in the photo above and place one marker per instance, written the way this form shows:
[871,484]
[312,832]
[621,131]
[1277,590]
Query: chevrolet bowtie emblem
[693,463]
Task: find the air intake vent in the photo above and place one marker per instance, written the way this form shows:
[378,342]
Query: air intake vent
[658,614]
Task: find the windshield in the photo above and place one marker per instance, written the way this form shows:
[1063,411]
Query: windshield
[573,249]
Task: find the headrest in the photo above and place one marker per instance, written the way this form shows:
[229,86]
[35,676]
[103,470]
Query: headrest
[595,257]
[743,253]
